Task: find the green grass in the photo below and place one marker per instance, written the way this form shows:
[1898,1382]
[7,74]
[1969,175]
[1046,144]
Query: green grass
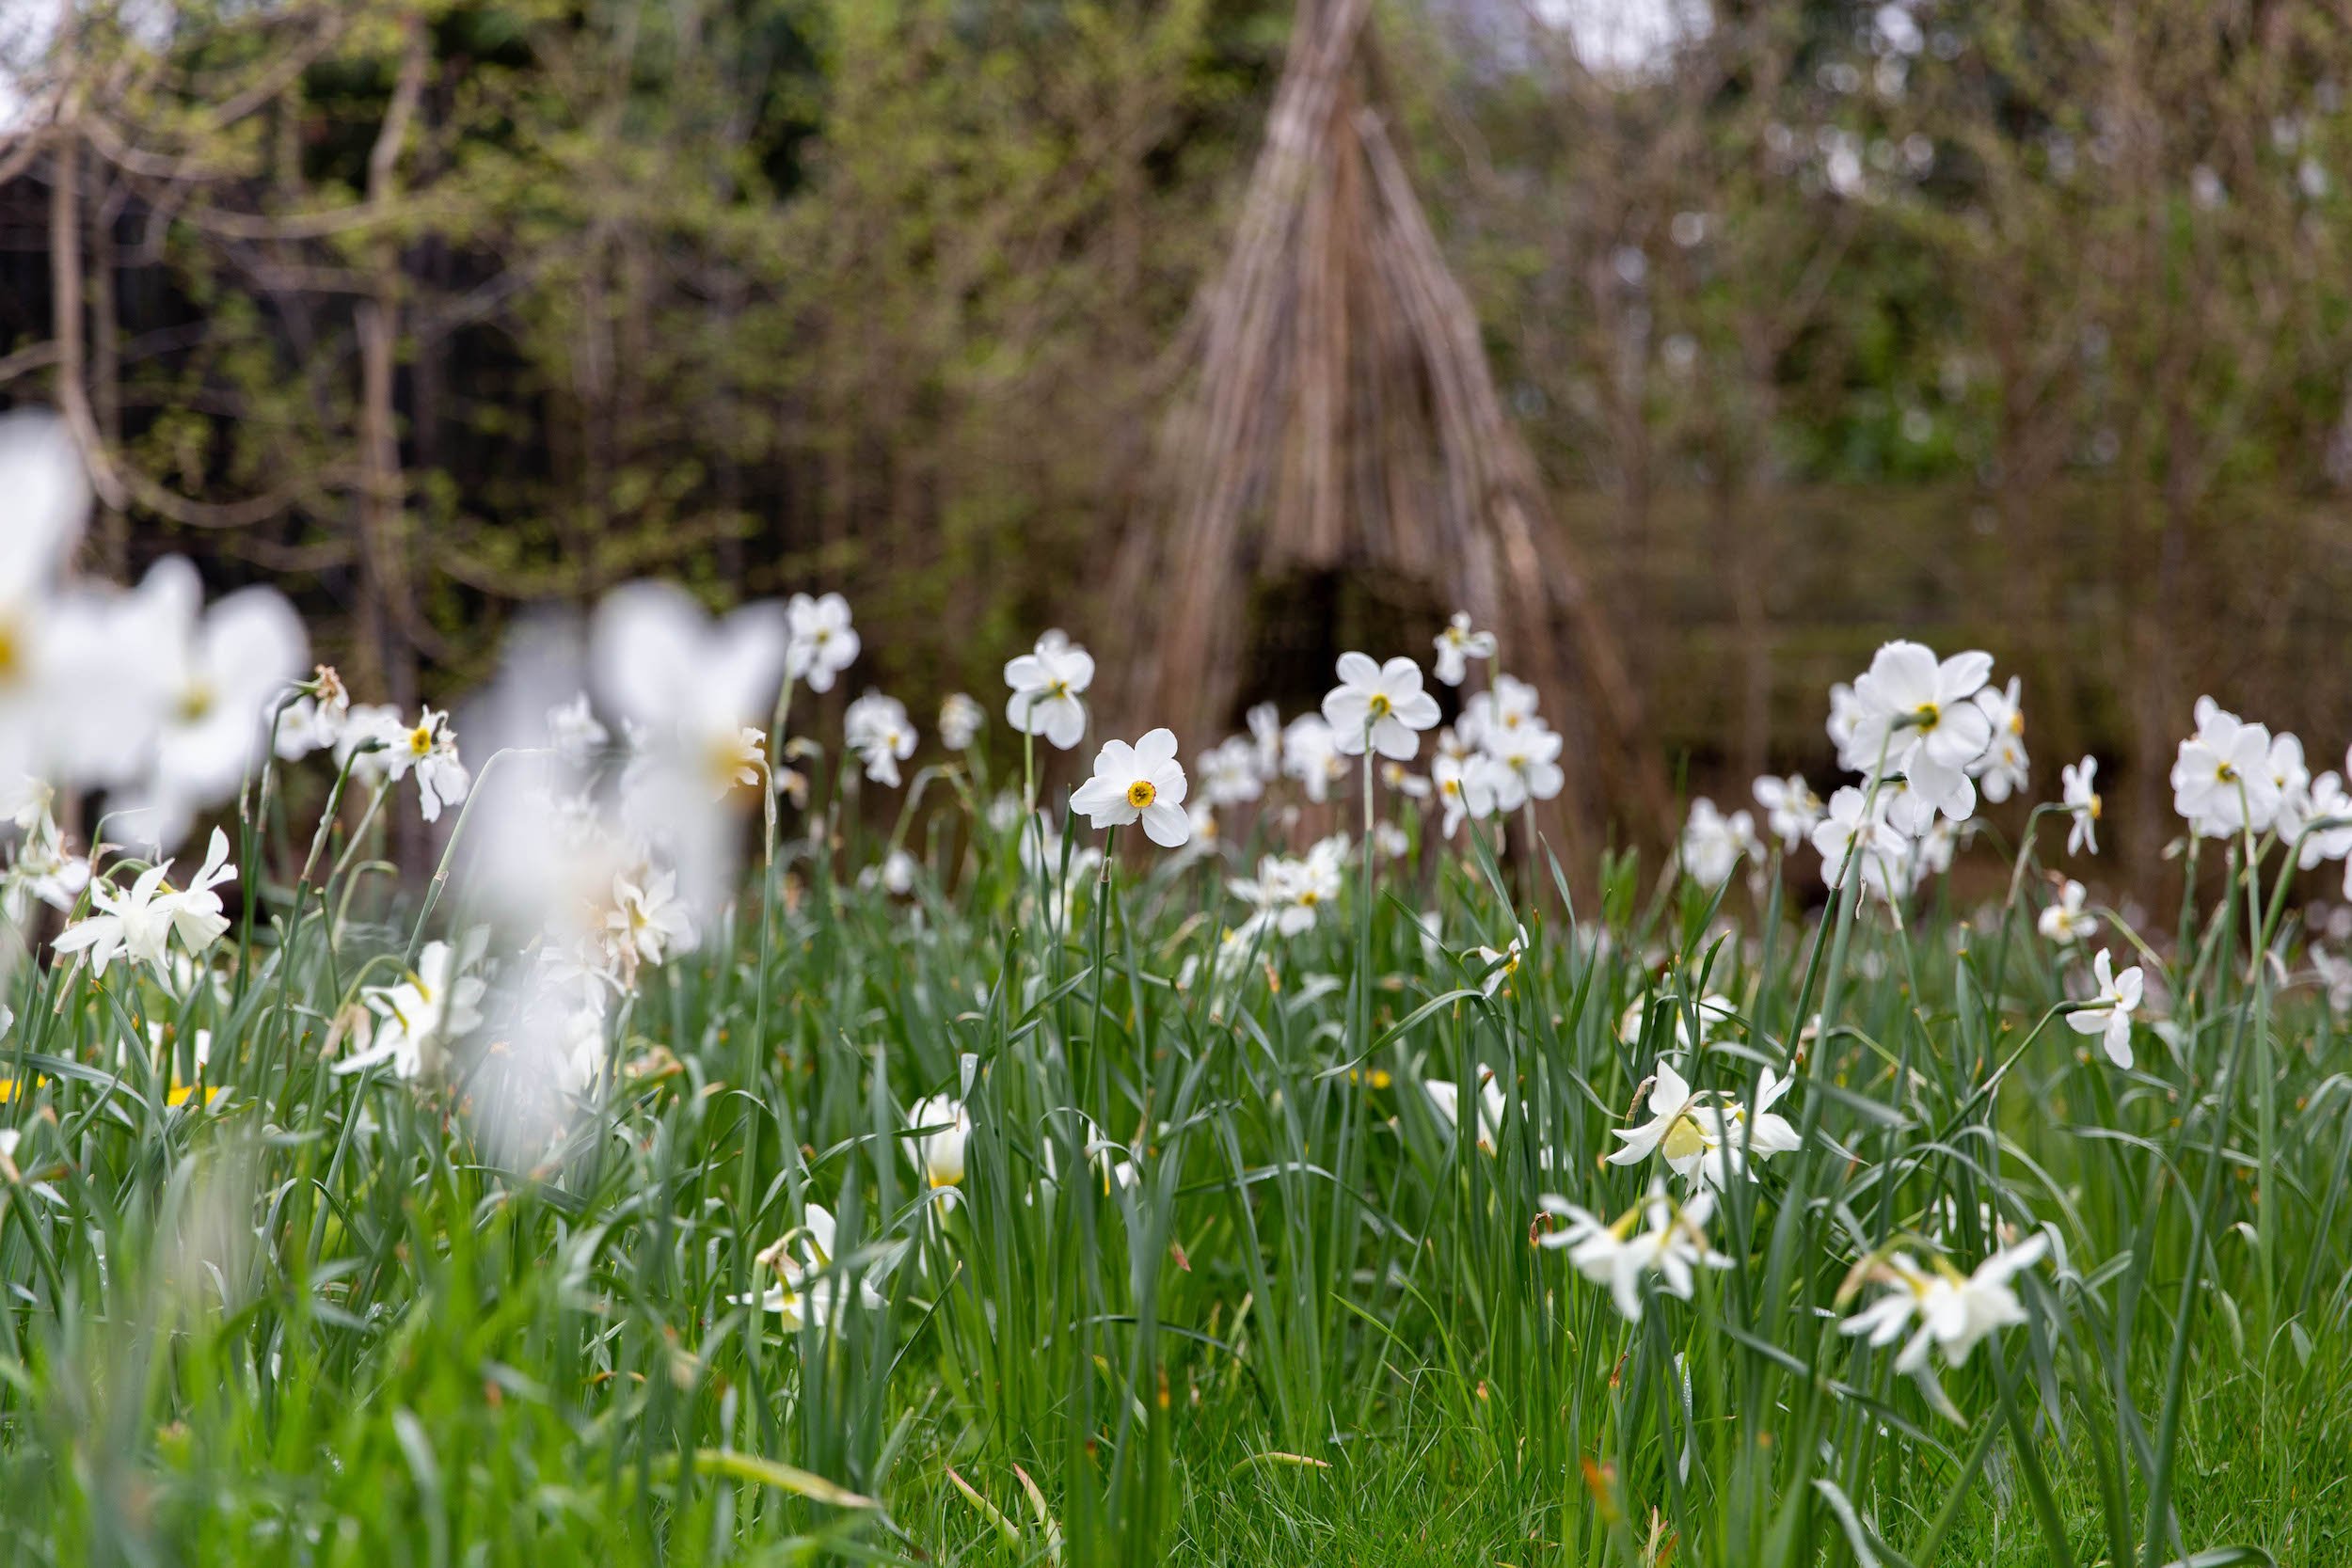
[325,1319]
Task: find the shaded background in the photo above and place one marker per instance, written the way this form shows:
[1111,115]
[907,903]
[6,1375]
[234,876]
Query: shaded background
[2012,324]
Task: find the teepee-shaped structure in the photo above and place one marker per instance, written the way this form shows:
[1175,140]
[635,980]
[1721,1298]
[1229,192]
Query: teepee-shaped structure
[1340,417]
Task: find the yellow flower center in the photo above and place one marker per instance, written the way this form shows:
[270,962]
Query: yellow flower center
[421,740]
[1141,793]
[1928,713]
[1683,1139]
[2226,773]
[12,655]
[2016,724]
[196,701]
[2096,804]
[1379,706]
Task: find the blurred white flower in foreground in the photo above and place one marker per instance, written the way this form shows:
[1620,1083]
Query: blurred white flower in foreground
[944,1127]
[1142,782]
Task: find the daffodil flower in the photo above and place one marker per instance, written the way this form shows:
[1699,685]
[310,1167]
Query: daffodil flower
[1952,1309]
[2081,798]
[819,640]
[2108,1013]
[1457,645]
[1654,1237]
[2068,921]
[1046,685]
[1139,782]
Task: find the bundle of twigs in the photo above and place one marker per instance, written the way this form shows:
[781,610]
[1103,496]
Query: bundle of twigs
[1341,415]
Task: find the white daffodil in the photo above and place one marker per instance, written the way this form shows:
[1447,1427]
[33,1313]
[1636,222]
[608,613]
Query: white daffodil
[2221,777]
[1500,965]
[2108,1012]
[1855,830]
[1389,841]
[1458,644]
[1527,763]
[1791,810]
[894,876]
[690,692]
[1266,734]
[1713,843]
[2002,769]
[1464,788]
[1312,754]
[877,728]
[1402,779]
[1702,1142]
[946,1127]
[2292,780]
[1910,703]
[647,923]
[1046,685]
[1953,1310]
[820,642]
[47,500]
[799,1261]
[428,749]
[2068,921]
[2080,796]
[314,722]
[1139,782]
[1228,772]
[1487,717]
[217,671]
[415,1018]
[1654,1237]
[140,922]
[1714,1011]
[1379,705]
[1445,1097]
[959,721]
[2327,825]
